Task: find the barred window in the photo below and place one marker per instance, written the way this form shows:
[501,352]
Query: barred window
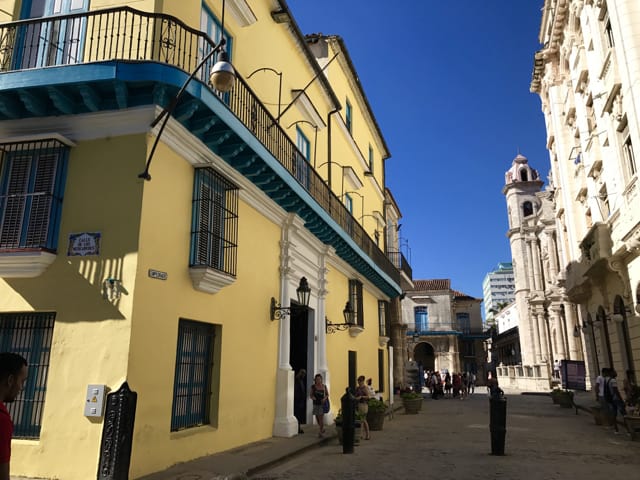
[192,383]
[383,315]
[29,334]
[31,187]
[355,297]
[214,230]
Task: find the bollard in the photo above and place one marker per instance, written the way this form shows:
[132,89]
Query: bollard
[348,404]
[497,424]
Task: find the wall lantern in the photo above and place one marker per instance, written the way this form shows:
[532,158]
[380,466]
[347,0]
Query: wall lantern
[349,317]
[303,292]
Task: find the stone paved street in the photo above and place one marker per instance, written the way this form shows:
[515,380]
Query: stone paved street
[450,439]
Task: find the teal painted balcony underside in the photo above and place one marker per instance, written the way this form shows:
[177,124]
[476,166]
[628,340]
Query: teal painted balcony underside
[121,84]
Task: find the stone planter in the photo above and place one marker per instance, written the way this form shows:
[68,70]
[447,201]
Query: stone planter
[633,426]
[565,399]
[375,420]
[598,417]
[412,405]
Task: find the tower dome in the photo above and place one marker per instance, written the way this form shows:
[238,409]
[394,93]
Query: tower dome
[521,171]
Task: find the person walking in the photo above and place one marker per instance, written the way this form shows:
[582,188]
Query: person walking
[13,374]
[614,399]
[300,398]
[320,396]
[362,397]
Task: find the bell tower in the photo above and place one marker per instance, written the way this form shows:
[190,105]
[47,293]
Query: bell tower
[522,183]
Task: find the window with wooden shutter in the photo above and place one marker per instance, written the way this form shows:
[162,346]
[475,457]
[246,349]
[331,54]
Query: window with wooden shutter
[215,222]
[31,188]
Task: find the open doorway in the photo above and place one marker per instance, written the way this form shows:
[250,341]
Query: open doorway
[300,358]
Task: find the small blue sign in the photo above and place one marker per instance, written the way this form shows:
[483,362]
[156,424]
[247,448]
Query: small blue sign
[84,244]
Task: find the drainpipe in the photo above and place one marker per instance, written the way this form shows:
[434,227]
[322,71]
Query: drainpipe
[329,145]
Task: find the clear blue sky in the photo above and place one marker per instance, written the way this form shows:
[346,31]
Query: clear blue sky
[448,82]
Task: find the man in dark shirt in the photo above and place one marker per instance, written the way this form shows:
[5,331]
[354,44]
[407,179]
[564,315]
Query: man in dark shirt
[13,373]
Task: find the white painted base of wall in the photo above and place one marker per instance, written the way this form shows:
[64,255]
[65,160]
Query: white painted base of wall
[285,424]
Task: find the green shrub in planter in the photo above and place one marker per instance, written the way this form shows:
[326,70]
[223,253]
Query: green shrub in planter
[377,412]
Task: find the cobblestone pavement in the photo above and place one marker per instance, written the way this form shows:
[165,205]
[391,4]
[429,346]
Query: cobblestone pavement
[450,439]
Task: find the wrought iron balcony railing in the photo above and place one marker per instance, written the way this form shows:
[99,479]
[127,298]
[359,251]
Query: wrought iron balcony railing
[131,35]
[401,263]
[435,328]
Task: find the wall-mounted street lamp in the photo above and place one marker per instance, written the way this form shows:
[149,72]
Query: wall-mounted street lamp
[303,292]
[349,320]
[222,77]
[279,74]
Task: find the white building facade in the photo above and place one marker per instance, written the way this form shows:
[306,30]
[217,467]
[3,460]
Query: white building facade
[498,289]
[586,75]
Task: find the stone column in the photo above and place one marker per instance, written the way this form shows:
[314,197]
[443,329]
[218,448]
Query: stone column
[285,424]
[537,277]
[553,254]
[571,323]
[398,338]
[537,351]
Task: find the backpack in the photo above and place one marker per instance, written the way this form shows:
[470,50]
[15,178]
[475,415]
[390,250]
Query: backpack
[608,395]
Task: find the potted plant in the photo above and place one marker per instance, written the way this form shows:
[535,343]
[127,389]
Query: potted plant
[376,414]
[564,398]
[412,402]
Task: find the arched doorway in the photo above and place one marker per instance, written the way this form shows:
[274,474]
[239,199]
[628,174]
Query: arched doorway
[425,356]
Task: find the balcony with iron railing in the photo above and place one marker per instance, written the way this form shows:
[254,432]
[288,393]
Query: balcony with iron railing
[128,40]
[444,328]
[401,263]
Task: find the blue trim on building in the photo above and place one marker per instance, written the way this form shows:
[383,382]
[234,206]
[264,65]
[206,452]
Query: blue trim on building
[125,84]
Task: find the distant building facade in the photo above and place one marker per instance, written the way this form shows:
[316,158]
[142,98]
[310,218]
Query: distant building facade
[444,328]
[586,75]
[498,289]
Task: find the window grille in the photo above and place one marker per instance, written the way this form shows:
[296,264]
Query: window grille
[192,383]
[383,314]
[215,222]
[355,297]
[28,334]
[31,187]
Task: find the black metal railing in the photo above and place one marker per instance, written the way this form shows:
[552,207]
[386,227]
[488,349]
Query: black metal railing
[401,263]
[434,327]
[127,34]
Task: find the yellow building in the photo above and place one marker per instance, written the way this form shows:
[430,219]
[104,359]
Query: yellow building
[144,245]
